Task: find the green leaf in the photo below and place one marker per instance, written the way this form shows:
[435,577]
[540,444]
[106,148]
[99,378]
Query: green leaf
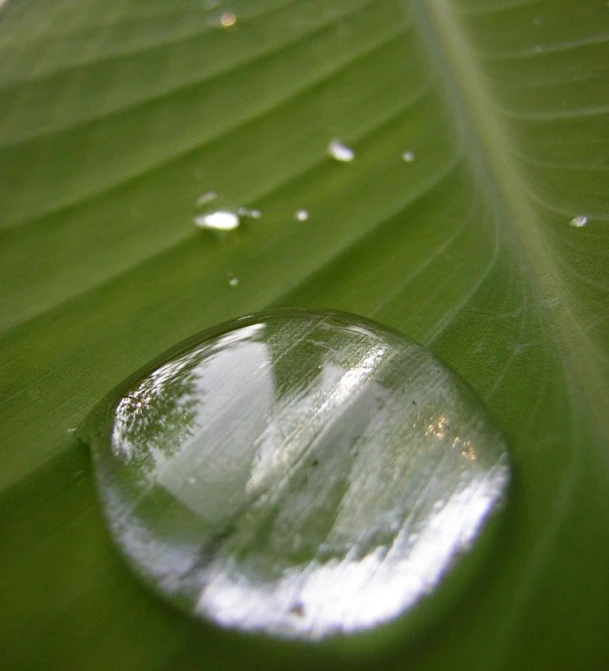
[116,115]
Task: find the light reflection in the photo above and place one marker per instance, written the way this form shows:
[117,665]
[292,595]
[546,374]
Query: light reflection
[225,20]
[340,152]
[438,428]
[221,220]
[579,221]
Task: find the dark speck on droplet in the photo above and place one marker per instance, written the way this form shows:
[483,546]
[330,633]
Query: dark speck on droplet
[315,462]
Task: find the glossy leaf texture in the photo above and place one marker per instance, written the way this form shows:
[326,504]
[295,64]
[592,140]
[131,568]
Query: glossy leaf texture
[473,218]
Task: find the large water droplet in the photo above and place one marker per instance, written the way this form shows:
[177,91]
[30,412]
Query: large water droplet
[297,473]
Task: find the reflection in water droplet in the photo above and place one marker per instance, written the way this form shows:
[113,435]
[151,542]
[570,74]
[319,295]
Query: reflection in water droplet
[340,151]
[297,473]
[233,281]
[301,215]
[220,220]
[579,221]
[408,156]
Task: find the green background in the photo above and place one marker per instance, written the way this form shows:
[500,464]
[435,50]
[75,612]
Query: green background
[116,115]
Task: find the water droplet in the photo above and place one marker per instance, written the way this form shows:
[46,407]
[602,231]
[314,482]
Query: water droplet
[252,214]
[274,474]
[339,151]
[216,213]
[301,215]
[579,221]
[408,156]
[206,198]
[223,20]
[221,220]
[233,281]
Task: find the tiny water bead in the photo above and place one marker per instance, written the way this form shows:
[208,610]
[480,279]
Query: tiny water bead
[220,220]
[339,151]
[223,20]
[246,212]
[297,473]
[301,215]
[217,213]
[408,156]
[579,221]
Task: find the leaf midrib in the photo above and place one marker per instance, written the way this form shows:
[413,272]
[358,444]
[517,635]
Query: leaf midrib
[488,148]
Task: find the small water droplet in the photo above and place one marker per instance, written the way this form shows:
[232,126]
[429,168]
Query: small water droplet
[324,501]
[216,213]
[339,151]
[408,156]
[301,215]
[537,21]
[252,214]
[579,221]
[205,198]
[221,220]
[223,20]
[233,281]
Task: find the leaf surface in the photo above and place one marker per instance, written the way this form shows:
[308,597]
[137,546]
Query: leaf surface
[115,117]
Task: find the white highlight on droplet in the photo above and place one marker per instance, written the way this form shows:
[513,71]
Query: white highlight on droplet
[218,221]
[301,215]
[339,151]
[579,221]
[233,281]
[408,156]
